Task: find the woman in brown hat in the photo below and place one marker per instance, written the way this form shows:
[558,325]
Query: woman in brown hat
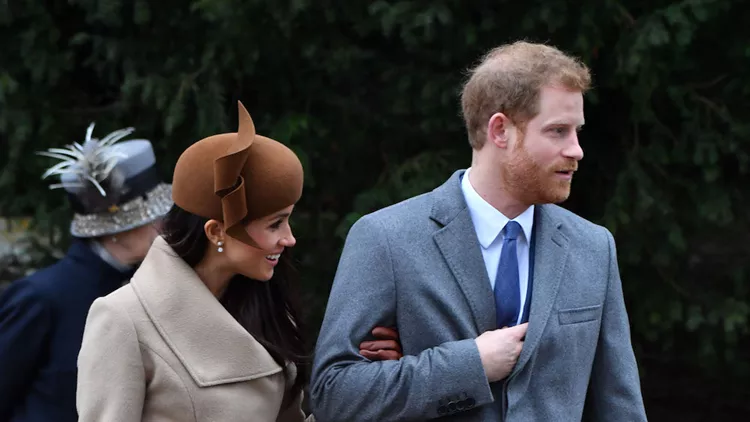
[208,329]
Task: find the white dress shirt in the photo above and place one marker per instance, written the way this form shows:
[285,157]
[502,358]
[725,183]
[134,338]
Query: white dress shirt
[489,223]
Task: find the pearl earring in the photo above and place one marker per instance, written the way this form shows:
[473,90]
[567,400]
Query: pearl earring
[220,248]
[114,239]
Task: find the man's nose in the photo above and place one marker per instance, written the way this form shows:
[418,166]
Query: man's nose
[574,150]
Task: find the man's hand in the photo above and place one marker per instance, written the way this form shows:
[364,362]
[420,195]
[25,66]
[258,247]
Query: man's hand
[385,347]
[499,350]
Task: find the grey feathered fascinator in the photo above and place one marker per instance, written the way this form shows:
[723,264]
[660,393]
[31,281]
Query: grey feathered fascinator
[112,186]
[90,169]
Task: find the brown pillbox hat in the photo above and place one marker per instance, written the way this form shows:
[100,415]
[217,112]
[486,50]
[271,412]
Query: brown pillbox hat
[237,177]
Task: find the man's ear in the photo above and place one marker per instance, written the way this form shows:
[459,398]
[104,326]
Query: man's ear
[499,128]
[214,230]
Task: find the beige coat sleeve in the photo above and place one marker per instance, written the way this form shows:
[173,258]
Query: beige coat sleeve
[111,376]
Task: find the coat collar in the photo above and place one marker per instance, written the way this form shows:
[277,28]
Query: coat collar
[449,200]
[210,343]
[81,255]
[550,258]
[458,243]
[107,257]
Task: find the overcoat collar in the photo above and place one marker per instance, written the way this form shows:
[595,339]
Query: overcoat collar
[210,343]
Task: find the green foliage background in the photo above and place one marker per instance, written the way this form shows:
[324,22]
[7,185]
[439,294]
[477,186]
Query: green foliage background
[366,93]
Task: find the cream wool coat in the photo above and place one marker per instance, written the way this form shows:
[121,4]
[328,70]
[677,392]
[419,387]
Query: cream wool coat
[162,348]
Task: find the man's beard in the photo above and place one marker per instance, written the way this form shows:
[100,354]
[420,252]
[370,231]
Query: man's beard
[533,184]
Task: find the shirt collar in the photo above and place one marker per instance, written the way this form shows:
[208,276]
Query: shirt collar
[107,257]
[488,221]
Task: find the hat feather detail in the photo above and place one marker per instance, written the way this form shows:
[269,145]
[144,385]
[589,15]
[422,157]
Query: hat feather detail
[93,165]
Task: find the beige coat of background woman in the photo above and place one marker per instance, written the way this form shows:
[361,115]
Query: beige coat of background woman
[175,344]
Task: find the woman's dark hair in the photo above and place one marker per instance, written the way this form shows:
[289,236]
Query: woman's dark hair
[269,311]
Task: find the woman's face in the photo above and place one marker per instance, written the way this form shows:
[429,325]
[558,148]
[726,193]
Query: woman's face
[272,234]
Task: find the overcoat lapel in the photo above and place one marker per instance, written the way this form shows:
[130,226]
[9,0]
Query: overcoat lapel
[458,243]
[551,251]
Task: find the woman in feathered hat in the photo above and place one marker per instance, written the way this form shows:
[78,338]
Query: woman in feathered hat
[116,194]
[208,329]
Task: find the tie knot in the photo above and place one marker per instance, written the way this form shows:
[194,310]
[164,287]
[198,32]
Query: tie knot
[512,230]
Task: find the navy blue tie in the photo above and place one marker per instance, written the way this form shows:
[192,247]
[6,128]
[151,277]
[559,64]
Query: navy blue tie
[507,290]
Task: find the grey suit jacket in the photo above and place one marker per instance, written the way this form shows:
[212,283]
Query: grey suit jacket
[418,265]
